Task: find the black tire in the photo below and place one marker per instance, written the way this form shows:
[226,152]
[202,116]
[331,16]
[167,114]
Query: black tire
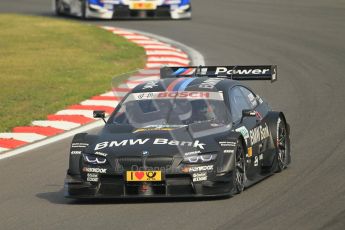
[83,9]
[283,146]
[59,8]
[239,171]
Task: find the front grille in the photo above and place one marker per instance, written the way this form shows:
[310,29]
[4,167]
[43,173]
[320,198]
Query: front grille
[111,185]
[174,184]
[128,163]
[122,11]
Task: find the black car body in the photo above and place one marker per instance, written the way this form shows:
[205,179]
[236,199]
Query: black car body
[194,133]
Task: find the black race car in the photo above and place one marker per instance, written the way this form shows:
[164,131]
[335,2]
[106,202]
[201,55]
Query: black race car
[196,132]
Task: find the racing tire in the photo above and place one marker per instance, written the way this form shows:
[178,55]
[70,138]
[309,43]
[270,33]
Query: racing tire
[59,8]
[239,171]
[283,156]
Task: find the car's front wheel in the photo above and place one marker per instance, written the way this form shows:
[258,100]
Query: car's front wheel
[239,171]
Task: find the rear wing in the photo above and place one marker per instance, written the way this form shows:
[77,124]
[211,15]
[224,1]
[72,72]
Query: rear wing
[259,72]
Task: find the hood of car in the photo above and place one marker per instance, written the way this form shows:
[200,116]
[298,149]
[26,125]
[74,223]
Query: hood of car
[180,140]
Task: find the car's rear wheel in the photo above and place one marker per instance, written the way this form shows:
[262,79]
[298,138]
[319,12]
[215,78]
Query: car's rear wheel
[239,172]
[283,145]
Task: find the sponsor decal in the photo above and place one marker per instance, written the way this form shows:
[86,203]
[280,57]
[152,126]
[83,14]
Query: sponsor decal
[75,152]
[209,83]
[258,115]
[252,100]
[184,94]
[228,151]
[192,153]
[142,5]
[191,95]
[201,168]
[227,143]
[157,141]
[195,144]
[92,177]
[244,131]
[257,71]
[145,96]
[94,170]
[79,145]
[261,156]
[143,176]
[150,85]
[250,152]
[111,144]
[201,176]
[259,133]
[259,99]
[101,154]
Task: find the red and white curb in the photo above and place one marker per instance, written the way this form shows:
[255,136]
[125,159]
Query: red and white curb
[158,53]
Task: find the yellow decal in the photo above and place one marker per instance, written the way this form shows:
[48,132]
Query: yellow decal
[135,176]
[143,6]
[250,152]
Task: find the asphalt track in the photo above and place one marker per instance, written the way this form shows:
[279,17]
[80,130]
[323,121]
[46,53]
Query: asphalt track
[305,38]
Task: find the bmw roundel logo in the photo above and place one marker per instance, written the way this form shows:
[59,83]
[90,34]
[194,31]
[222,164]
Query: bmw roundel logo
[145,153]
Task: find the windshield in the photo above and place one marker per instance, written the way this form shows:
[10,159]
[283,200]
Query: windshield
[172,108]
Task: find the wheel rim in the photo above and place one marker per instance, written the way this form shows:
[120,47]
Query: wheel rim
[240,169]
[282,146]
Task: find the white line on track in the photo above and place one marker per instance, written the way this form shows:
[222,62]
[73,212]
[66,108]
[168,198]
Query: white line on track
[136,37]
[51,140]
[85,113]
[164,59]
[100,103]
[157,52]
[27,137]
[64,125]
[108,94]
[2,150]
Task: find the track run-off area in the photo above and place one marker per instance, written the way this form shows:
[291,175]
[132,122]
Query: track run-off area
[305,39]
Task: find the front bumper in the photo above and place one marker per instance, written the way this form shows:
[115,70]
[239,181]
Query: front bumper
[174,185]
[123,12]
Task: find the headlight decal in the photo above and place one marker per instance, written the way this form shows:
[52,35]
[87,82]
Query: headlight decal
[96,160]
[200,158]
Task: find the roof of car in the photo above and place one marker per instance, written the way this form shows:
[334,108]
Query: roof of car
[186,84]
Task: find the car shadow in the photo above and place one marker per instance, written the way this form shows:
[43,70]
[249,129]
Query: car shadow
[77,19]
[57,197]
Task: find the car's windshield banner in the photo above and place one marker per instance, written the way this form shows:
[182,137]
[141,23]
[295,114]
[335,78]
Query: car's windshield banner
[259,72]
[189,95]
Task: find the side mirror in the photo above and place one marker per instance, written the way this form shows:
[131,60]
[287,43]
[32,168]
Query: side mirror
[248,113]
[99,114]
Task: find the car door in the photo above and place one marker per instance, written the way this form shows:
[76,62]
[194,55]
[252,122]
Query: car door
[242,98]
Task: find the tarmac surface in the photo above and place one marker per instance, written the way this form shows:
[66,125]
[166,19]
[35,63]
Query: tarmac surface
[305,38]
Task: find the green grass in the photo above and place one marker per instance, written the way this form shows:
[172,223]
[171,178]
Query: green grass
[48,64]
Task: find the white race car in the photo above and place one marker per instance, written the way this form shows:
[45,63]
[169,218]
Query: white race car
[108,9]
